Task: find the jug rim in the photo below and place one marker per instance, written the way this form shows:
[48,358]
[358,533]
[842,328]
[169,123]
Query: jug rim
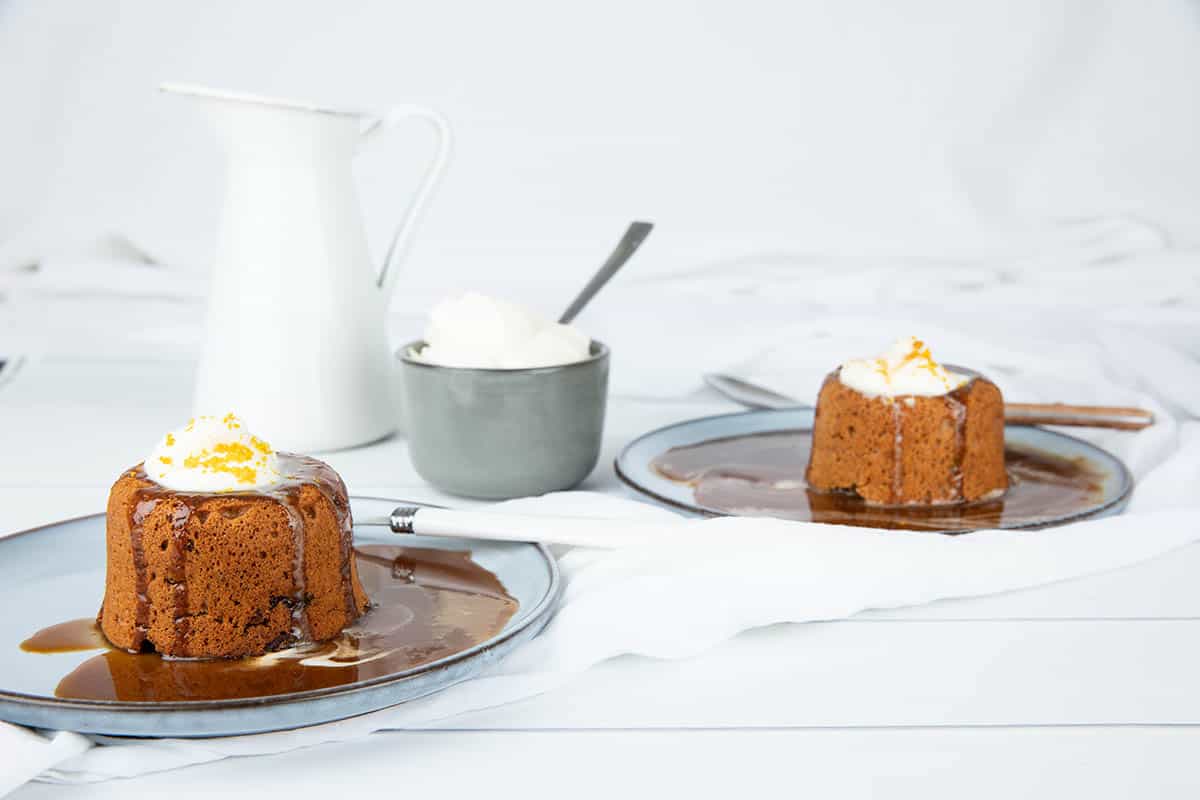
[213,93]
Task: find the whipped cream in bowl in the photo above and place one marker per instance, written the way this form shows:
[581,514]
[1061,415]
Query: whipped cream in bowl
[475,331]
[906,369]
[213,454]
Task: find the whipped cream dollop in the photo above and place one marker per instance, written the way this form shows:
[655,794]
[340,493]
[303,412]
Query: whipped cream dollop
[474,330]
[907,368]
[212,454]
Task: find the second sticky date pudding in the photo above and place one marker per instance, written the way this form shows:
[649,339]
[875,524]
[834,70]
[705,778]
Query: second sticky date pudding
[903,430]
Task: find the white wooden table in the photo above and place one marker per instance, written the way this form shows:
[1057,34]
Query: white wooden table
[1086,688]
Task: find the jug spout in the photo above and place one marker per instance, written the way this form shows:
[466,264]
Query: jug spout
[271,126]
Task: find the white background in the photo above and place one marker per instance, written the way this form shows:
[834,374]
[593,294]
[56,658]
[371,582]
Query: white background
[788,129]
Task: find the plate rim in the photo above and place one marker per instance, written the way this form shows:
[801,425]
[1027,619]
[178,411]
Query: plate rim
[1123,474]
[536,616]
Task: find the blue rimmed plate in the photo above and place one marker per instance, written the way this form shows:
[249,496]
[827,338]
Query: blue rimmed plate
[752,463]
[56,573]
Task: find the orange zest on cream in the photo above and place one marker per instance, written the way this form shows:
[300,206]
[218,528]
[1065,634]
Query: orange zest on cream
[908,369]
[212,454]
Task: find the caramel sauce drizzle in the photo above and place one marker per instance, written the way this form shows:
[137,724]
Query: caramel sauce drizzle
[141,510]
[897,450]
[958,410]
[177,573]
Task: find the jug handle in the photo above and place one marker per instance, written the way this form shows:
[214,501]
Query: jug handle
[402,238]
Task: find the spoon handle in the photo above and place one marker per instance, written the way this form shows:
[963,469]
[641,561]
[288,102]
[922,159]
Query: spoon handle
[1119,418]
[633,238]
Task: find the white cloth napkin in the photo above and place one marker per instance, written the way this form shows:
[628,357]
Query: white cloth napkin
[657,601]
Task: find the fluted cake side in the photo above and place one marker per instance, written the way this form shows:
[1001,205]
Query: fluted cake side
[231,574]
[909,450]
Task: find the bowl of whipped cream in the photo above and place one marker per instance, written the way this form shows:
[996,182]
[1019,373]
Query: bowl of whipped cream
[501,402]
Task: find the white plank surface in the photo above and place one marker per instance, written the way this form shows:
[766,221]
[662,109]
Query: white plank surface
[981,764]
[891,673]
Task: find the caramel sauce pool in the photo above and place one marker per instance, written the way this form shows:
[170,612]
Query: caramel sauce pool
[67,637]
[764,474]
[426,604]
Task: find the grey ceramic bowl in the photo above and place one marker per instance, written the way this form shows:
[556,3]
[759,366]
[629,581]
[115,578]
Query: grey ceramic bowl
[501,433]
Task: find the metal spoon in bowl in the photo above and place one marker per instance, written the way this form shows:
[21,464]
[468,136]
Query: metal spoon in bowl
[633,238]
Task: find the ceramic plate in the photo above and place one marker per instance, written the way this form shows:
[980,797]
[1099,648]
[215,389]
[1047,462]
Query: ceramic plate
[56,573]
[1054,478]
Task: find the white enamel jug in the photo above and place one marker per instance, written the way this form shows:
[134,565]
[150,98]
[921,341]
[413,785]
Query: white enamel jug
[296,342]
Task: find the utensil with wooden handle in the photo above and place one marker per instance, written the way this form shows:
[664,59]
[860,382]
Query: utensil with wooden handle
[1123,418]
